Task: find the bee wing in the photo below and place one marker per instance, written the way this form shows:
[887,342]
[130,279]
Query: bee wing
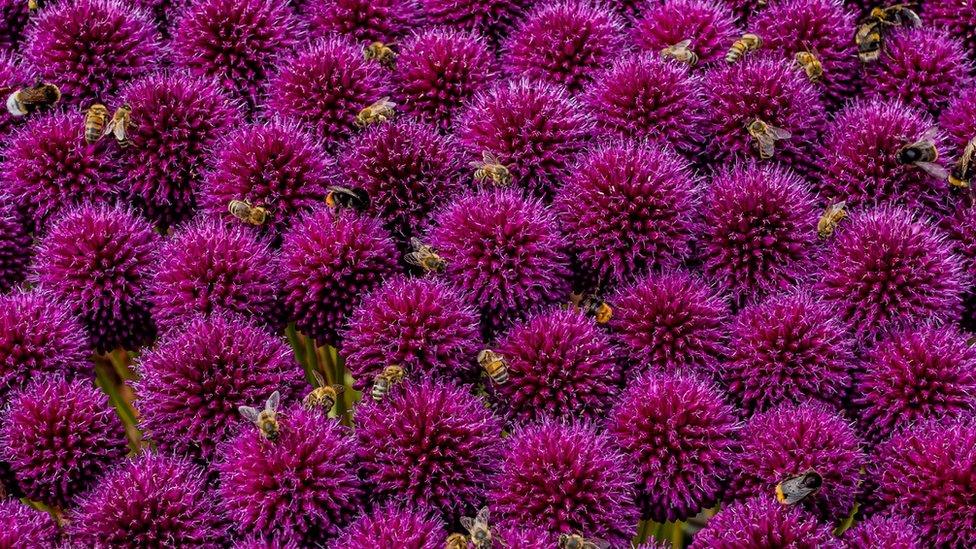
[490,158]
[967,155]
[273,401]
[338,389]
[249,413]
[413,258]
[416,244]
[779,133]
[467,523]
[794,489]
[683,45]
[318,379]
[596,544]
[934,170]
[929,135]
[767,146]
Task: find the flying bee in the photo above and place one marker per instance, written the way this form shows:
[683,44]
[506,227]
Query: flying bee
[40,96]
[961,174]
[380,111]
[870,29]
[457,541]
[425,257]
[749,42]
[383,382]
[810,65]
[681,52]
[494,365]
[576,541]
[832,216]
[794,489]
[381,53]
[323,396]
[119,124]
[341,197]
[243,210]
[766,137]
[492,168]
[267,419]
[96,117]
[923,154]
[481,532]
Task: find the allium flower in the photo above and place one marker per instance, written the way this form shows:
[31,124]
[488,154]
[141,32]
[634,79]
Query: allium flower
[491,18]
[392,526]
[956,16]
[679,430]
[260,542]
[524,538]
[364,21]
[438,70]
[884,532]
[96,260]
[12,75]
[888,269]
[707,23]
[328,261]
[566,42]
[959,120]
[91,48]
[193,380]
[762,522]
[630,207]
[505,251]
[325,86]
[59,437]
[961,227]
[790,440]
[421,324]
[237,43]
[560,366]
[302,486]
[15,244]
[534,129]
[23,526]
[14,20]
[566,478]
[671,320]
[149,501]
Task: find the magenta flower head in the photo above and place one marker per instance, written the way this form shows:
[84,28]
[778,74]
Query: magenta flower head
[525,538]
[363,21]
[958,17]
[325,86]
[707,23]
[566,478]
[96,261]
[961,227]
[392,526]
[149,501]
[763,522]
[193,380]
[58,437]
[504,251]
[533,129]
[91,49]
[422,324]
[491,18]
[580,38]
[670,320]
[679,430]
[790,440]
[237,43]
[23,526]
[438,70]
[651,195]
[884,532]
[302,486]
[959,120]
[14,21]
[261,542]
[888,269]
[15,244]
[12,76]
[328,261]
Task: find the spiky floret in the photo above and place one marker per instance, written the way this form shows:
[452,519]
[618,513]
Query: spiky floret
[534,129]
[262,542]
[193,380]
[14,20]
[15,244]
[504,251]
[393,526]
[525,538]
[23,526]
[961,228]
[149,501]
[59,436]
[679,430]
[884,532]
[492,19]
[887,269]
[438,70]
[96,261]
[762,522]
[91,49]
[364,21]
[958,120]
[707,23]
[956,16]
[631,207]
[790,440]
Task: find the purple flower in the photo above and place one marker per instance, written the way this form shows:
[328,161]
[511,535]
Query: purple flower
[15,244]
[708,24]
[884,532]
[392,526]
[959,120]
[14,20]
[12,75]
[958,17]
[364,21]
[260,542]
[763,522]
[23,526]
[961,228]
[491,18]
[524,538]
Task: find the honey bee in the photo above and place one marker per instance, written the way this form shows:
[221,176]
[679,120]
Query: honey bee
[382,383]
[34,5]
[481,532]
[961,174]
[119,124]
[381,53]
[267,419]
[95,119]
[380,111]
[576,541]
[592,306]
[766,137]
[40,96]
[323,396]
[494,365]
[681,52]
[810,65]
[491,168]
[243,210]
[794,489]
[923,154]
[457,541]
[749,42]
[832,216]
[870,29]
[341,197]
[425,257]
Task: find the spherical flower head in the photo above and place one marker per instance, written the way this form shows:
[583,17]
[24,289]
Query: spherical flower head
[59,436]
[91,49]
[23,526]
[175,122]
[325,86]
[492,18]
[923,67]
[532,128]
[96,261]
[329,261]
[504,251]
[961,228]
[237,43]
[670,320]
[888,269]
[763,522]
[192,382]
[707,23]
[579,39]
[884,532]
[392,526]
[12,76]
[651,195]
[958,17]
[15,244]
[422,324]
[438,70]
[302,486]
[959,121]
[14,20]
[566,478]
[790,440]
[364,21]
[679,430]
[408,170]
[149,501]
[524,538]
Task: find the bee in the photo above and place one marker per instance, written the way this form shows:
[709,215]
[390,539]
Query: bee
[962,172]
[479,529]
[494,365]
[593,306]
[923,154]
[810,65]
[341,197]
[576,541]
[457,541]
[267,419]
[243,210]
[380,111]
[794,489]
[425,257]
[382,383]
[870,29]
[491,168]
[381,53]
[95,119]
[34,5]
[119,124]
[681,52]
[323,396]
[40,96]
[766,137]
[832,216]
[749,42]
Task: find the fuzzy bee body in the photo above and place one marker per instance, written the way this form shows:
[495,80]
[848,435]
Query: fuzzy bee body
[382,383]
[681,52]
[39,97]
[749,42]
[793,490]
[577,541]
[95,120]
[869,35]
[457,541]
[479,530]
[832,216]
[323,396]
[267,419]
[425,257]
[244,211]
[353,199]
[810,64]
[491,168]
[381,53]
[593,306]
[961,174]
[923,154]
[494,365]
[766,136]
[380,111]
[34,5]
[119,125]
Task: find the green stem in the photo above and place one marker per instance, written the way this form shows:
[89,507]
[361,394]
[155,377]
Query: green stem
[108,379]
[677,535]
